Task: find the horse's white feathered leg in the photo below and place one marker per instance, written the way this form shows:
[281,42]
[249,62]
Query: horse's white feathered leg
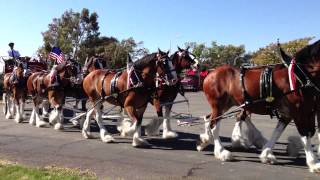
[312,162]
[86,125]
[206,137]
[38,122]
[45,108]
[59,118]
[137,140]
[255,137]
[237,138]
[18,117]
[105,136]
[266,155]
[167,131]
[219,151]
[152,129]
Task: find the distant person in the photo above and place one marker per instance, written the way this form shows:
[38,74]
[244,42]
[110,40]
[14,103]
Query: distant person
[13,53]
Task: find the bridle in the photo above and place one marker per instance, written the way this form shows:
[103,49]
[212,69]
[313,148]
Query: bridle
[185,54]
[308,79]
[170,75]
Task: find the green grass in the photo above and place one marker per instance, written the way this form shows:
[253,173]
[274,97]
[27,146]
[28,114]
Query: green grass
[10,171]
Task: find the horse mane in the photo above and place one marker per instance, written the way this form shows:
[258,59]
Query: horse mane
[144,61]
[172,57]
[309,52]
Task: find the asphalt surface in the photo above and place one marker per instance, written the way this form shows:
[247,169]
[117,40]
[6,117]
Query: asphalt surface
[166,159]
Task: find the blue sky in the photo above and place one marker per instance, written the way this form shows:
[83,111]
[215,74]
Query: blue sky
[159,23]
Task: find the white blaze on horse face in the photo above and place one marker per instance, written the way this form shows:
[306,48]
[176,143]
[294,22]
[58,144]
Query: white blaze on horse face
[173,73]
[195,65]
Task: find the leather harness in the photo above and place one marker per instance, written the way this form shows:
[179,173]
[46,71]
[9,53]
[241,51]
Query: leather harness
[266,90]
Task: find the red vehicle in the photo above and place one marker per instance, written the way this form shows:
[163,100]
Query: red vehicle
[191,81]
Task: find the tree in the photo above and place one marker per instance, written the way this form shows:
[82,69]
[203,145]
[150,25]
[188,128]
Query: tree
[78,36]
[116,53]
[270,53]
[70,31]
[95,46]
[217,55]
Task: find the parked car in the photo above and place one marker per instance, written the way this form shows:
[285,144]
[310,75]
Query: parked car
[191,81]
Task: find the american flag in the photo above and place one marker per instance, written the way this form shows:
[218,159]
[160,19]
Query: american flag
[56,54]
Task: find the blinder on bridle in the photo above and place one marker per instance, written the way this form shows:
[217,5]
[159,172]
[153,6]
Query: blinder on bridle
[185,54]
[98,63]
[74,69]
[170,77]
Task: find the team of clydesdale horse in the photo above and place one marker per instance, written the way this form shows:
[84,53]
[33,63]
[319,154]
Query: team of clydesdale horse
[288,91]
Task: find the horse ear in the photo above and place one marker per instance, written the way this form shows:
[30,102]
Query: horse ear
[188,48]
[159,51]
[180,49]
[285,58]
[168,52]
[129,60]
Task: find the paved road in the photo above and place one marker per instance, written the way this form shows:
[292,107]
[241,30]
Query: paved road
[174,159]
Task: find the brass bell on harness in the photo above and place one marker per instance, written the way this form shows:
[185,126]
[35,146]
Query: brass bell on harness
[270,99]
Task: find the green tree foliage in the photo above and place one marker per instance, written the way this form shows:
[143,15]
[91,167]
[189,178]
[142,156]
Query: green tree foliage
[216,55]
[78,36]
[270,53]
[116,53]
[70,31]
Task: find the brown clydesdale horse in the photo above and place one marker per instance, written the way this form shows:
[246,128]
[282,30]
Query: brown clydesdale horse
[224,88]
[14,94]
[91,64]
[181,59]
[112,87]
[40,89]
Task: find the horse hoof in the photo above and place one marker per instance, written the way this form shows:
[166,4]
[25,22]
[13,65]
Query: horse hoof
[86,135]
[238,143]
[225,155]
[127,132]
[201,145]
[8,116]
[204,138]
[18,120]
[75,122]
[41,124]
[58,126]
[32,123]
[203,142]
[119,128]
[267,157]
[315,168]
[169,135]
[139,142]
[108,139]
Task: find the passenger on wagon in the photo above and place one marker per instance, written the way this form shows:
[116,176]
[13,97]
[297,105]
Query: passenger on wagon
[15,55]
